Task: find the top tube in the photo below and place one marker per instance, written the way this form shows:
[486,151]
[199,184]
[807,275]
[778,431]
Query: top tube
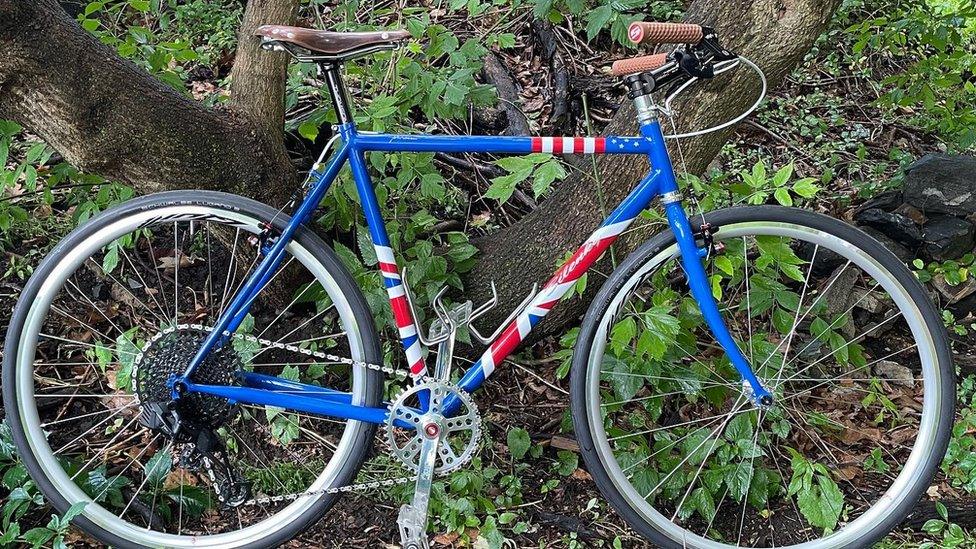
[502,144]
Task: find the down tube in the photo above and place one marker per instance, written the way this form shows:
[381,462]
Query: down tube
[564,279]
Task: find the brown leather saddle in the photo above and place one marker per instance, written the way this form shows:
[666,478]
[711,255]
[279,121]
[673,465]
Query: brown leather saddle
[328,44]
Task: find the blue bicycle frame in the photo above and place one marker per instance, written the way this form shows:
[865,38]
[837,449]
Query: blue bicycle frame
[268,390]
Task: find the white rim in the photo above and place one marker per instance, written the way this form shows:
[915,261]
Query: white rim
[30,422]
[910,473]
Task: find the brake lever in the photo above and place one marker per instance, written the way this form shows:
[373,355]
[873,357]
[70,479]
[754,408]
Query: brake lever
[698,60]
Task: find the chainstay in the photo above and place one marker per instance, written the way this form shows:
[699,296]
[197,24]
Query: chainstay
[348,488]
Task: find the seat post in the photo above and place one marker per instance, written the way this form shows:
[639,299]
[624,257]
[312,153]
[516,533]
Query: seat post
[337,90]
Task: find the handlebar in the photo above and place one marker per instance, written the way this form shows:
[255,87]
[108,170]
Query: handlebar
[641,32]
[701,49]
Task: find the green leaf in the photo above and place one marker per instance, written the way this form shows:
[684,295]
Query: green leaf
[622,378]
[158,467]
[739,479]
[596,20]
[703,503]
[73,511]
[806,188]
[831,501]
[111,259]
[783,197]
[545,175]
[724,264]
[783,175]
[503,187]
[309,130]
[622,334]
[519,442]
[566,462]
[739,428]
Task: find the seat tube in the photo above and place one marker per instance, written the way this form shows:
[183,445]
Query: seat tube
[692,255]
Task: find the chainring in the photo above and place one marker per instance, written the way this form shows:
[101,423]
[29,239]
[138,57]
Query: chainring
[462,431]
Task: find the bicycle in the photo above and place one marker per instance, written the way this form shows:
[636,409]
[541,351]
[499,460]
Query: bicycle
[194,368]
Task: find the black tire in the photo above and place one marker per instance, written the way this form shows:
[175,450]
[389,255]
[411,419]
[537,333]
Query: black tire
[321,251]
[717,219]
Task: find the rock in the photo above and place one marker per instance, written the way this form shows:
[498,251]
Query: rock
[886,201]
[894,373]
[825,262]
[911,212]
[896,226]
[941,183]
[870,302]
[900,251]
[954,293]
[948,237]
[838,297]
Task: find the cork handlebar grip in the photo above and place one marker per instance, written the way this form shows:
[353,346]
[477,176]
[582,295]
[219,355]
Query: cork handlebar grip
[635,65]
[641,32]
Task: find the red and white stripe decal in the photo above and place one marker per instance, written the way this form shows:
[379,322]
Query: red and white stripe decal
[551,293]
[401,309]
[569,145]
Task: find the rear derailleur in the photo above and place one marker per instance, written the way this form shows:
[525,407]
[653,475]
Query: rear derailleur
[208,454]
[203,451]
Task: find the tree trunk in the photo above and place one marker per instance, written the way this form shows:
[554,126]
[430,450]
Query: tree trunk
[257,80]
[108,116]
[774,34]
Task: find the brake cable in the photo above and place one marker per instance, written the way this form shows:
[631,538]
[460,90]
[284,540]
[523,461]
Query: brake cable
[720,68]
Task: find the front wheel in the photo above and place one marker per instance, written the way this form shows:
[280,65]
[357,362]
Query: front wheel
[833,324]
[122,304]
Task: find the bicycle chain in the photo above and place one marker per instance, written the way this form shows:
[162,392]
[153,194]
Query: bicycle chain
[362,486]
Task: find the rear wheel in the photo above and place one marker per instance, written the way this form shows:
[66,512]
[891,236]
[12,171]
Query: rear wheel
[834,325]
[123,303]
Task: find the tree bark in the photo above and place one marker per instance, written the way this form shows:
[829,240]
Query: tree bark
[257,80]
[774,33]
[108,116]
